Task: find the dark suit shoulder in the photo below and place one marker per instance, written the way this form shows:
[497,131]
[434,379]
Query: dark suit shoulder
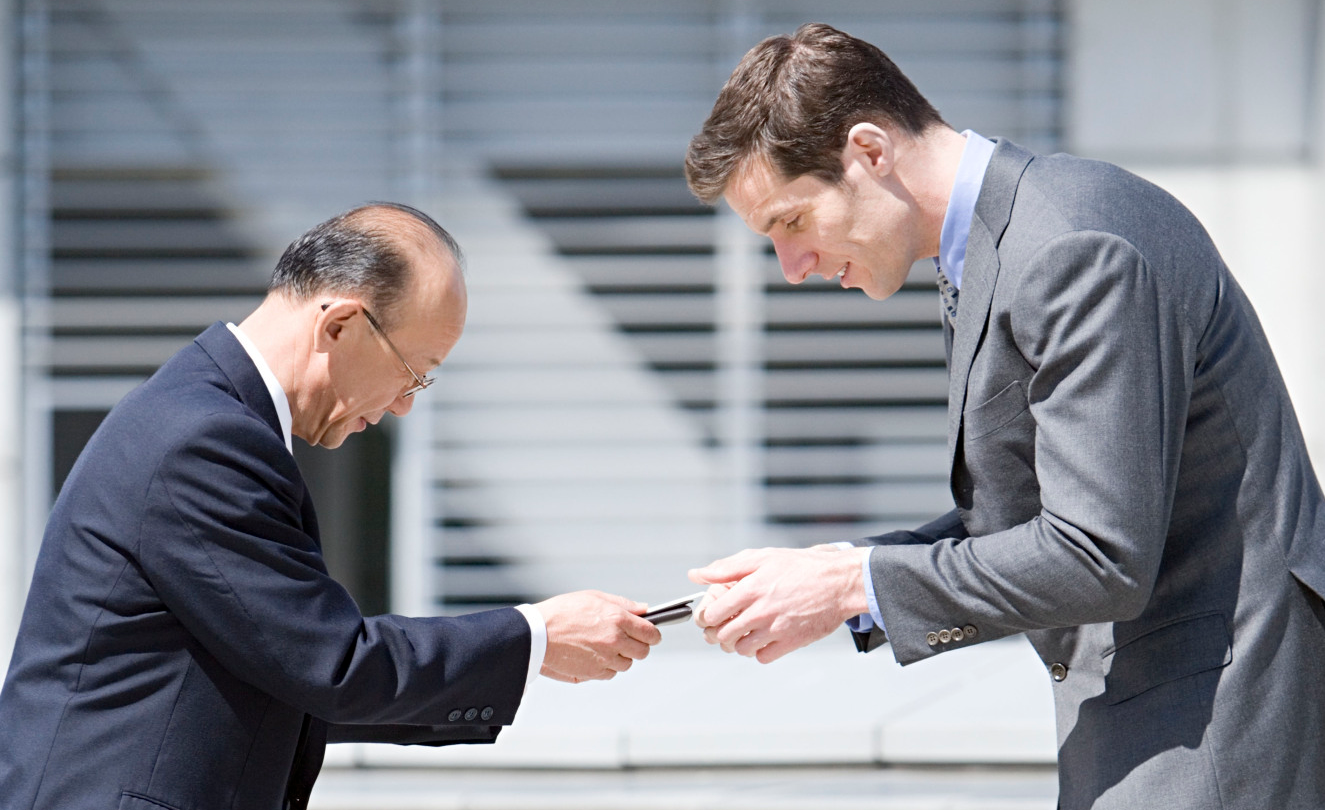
[189,397]
[183,429]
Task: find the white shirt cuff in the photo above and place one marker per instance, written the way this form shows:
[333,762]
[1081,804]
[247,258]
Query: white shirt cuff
[537,640]
[865,621]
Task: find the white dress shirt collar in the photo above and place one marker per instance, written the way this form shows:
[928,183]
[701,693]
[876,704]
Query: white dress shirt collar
[278,397]
[537,627]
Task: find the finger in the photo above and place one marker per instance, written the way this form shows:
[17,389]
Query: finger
[630,605]
[729,604]
[717,572]
[727,569]
[701,576]
[697,615]
[730,645]
[713,592]
[620,664]
[711,635]
[737,629]
[751,643]
[630,648]
[643,631]
[773,651]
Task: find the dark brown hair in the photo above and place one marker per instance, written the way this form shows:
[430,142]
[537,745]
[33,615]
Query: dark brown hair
[793,99]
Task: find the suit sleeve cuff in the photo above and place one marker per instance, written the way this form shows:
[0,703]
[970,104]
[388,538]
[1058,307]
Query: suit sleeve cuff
[537,640]
[865,621]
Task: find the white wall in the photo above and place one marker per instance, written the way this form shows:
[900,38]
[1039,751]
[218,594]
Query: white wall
[1190,81]
[1219,102]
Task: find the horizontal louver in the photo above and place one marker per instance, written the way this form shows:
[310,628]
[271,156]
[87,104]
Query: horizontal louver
[578,435]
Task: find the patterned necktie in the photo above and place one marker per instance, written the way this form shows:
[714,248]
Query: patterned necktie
[949,292]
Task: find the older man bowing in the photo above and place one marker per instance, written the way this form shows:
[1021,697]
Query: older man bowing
[182,645]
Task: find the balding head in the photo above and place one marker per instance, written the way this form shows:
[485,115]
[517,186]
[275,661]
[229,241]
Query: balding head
[360,308]
[372,253]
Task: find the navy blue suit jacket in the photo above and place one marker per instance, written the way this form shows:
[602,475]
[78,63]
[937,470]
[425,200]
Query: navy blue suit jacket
[183,646]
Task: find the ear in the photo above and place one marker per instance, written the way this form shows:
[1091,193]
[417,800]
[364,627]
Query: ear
[870,146]
[330,321]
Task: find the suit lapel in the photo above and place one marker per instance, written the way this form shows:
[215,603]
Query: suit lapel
[993,210]
[229,355]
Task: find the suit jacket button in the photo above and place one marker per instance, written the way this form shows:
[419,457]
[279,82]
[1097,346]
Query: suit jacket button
[969,630]
[1057,671]
[471,714]
[957,634]
[945,636]
[455,715]
[486,714]
[932,639]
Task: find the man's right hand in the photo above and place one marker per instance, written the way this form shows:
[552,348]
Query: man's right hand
[593,635]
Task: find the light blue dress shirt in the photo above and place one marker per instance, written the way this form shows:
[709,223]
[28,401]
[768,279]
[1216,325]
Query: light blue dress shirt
[952,258]
[961,206]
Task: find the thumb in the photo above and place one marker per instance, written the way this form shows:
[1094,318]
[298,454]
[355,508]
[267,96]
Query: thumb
[728,569]
[630,605]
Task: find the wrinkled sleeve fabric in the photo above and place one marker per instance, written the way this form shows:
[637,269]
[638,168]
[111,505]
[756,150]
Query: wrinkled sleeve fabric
[224,541]
[1108,394]
[869,636]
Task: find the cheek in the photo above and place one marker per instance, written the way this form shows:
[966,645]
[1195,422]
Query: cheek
[358,397]
[840,235]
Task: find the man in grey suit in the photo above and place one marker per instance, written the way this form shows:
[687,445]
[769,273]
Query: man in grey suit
[1132,489]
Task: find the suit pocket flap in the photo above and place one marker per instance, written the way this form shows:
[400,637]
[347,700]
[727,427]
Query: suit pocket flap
[1185,647]
[995,412]
[137,801]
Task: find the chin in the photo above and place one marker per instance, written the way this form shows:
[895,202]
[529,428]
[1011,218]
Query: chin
[878,294]
[881,291]
[330,441]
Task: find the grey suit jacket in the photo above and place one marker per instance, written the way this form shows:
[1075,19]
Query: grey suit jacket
[1132,491]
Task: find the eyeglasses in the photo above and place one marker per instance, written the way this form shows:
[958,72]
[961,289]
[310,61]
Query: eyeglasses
[420,383]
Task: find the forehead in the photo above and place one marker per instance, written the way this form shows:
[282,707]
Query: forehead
[433,313]
[760,195]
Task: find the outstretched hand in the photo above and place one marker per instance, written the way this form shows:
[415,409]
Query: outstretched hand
[768,602]
[593,635]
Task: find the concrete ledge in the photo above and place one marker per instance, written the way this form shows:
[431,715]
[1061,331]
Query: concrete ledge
[860,788]
[691,705]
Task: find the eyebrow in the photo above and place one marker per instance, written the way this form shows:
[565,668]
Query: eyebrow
[778,213]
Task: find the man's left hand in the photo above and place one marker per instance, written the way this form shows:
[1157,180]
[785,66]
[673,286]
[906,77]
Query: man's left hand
[779,599]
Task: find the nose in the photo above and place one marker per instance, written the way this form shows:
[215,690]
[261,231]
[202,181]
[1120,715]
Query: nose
[401,406]
[797,263]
